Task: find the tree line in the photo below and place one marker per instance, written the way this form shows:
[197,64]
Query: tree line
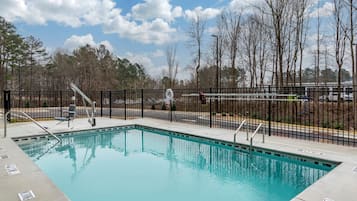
[265,46]
[25,65]
[269,43]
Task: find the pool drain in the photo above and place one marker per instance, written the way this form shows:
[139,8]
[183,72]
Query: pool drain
[12,169]
[327,199]
[354,169]
[28,195]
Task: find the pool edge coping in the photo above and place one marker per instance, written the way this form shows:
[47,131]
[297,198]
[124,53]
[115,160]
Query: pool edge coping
[302,196]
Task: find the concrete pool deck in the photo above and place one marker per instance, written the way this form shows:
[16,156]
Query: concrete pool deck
[338,185]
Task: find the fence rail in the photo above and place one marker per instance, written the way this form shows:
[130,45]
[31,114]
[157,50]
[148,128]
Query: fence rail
[312,114]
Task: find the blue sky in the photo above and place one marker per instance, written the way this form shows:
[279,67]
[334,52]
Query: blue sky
[136,29]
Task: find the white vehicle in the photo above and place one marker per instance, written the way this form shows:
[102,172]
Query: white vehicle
[333,97]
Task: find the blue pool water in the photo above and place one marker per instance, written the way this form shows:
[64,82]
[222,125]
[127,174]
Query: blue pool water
[135,164]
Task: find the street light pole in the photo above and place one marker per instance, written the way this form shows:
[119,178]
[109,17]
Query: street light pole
[216,36]
[354,89]
[354,76]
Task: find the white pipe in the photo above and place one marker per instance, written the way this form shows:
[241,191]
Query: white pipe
[241,94]
[77,90]
[91,118]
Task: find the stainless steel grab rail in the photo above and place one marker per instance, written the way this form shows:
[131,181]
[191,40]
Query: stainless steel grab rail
[239,127]
[253,135]
[26,116]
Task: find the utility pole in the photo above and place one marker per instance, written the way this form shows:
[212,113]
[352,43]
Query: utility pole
[216,36]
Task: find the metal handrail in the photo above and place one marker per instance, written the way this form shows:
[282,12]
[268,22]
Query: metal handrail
[253,135]
[240,126]
[34,121]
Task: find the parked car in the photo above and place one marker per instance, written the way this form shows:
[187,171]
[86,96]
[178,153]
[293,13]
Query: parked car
[323,98]
[304,98]
[333,97]
[348,97]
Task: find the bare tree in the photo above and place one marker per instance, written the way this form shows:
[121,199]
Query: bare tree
[195,32]
[172,65]
[351,7]
[278,10]
[352,12]
[317,66]
[221,34]
[232,23]
[300,9]
[340,41]
[250,45]
[289,43]
[264,36]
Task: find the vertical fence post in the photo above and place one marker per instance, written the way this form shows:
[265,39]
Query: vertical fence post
[142,103]
[210,109]
[61,109]
[7,104]
[269,111]
[101,103]
[170,110]
[110,104]
[39,99]
[124,104]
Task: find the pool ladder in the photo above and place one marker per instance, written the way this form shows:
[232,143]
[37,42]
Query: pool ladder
[252,136]
[239,127]
[26,116]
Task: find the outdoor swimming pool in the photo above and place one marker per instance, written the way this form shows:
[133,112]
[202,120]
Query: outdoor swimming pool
[139,163]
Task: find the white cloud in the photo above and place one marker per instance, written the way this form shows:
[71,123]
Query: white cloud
[158,53]
[155,15]
[151,9]
[72,13]
[154,70]
[245,6]
[206,14]
[239,4]
[139,58]
[146,61]
[107,45]
[157,31]
[11,9]
[324,11]
[212,30]
[75,41]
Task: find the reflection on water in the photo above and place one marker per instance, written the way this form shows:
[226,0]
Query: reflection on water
[224,164]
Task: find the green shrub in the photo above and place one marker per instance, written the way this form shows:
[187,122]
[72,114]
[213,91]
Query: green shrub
[163,107]
[338,125]
[153,106]
[13,121]
[44,104]
[27,105]
[224,114]
[288,120]
[173,107]
[231,114]
[325,124]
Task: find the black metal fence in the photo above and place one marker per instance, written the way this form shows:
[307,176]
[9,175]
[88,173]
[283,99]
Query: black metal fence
[324,114]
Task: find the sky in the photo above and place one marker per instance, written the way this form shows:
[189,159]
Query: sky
[139,30]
